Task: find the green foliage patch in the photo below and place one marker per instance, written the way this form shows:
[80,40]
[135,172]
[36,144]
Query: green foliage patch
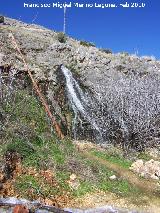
[62,38]
[87,44]
[107,51]
[119,160]
[42,150]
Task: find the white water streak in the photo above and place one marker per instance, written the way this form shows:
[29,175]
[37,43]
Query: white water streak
[78,99]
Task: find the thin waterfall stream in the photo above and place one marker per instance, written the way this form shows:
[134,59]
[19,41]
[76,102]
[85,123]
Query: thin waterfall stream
[79,102]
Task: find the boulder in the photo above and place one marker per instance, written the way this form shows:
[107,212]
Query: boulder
[148,169]
[137,166]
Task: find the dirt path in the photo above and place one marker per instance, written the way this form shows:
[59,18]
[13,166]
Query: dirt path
[148,202]
[147,186]
[100,199]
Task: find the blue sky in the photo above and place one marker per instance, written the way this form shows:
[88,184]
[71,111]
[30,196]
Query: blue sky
[120,29]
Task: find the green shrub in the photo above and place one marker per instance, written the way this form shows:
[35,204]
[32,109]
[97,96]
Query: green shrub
[87,44]
[125,53]
[116,159]
[108,51]
[1,19]
[61,37]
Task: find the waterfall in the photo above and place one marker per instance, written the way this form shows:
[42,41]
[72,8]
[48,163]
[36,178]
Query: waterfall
[79,101]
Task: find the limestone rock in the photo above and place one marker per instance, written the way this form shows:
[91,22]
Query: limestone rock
[73,182]
[113,177]
[149,169]
[137,166]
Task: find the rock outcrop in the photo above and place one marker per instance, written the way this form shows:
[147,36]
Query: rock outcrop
[148,169]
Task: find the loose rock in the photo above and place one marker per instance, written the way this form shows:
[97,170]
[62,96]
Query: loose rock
[149,169]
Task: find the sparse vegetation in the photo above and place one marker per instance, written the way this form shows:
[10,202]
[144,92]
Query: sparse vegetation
[1,19]
[144,156]
[87,44]
[125,53]
[72,67]
[107,51]
[62,38]
[119,160]
[84,188]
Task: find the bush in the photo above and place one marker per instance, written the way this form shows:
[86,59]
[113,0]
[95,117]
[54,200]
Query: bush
[1,19]
[61,37]
[87,44]
[125,53]
[108,51]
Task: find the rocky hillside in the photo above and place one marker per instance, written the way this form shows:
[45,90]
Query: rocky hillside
[94,95]
[123,89]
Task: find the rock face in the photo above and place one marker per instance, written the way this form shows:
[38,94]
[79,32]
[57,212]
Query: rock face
[123,90]
[149,169]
